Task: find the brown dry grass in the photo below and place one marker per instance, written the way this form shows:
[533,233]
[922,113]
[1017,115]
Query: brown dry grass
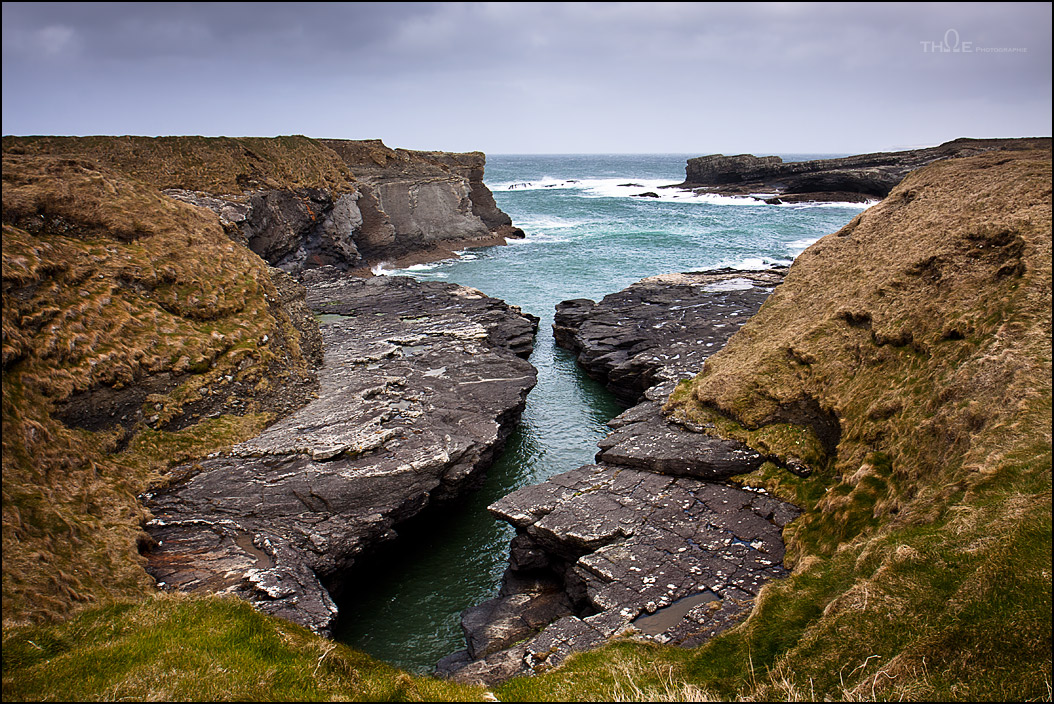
[220,165]
[923,325]
[923,558]
[110,285]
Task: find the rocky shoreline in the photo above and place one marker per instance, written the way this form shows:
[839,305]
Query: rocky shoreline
[649,540]
[422,384]
[301,203]
[858,178]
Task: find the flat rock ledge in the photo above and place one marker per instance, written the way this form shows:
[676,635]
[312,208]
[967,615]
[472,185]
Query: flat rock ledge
[661,329]
[421,385]
[649,542]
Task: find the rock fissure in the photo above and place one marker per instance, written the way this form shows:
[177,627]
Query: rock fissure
[652,523]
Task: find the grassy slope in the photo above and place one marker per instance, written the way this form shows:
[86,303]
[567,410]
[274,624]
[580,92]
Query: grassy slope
[99,293]
[923,563]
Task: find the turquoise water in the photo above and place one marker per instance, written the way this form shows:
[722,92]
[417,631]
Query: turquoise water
[587,235]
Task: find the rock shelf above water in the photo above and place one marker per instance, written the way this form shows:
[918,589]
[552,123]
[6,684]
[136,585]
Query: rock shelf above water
[857,178]
[421,385]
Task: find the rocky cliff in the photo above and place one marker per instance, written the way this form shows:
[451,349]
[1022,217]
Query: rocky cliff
[854,178]
[301,203]
[906,359]
[422,384]
[122,353]
[143,328]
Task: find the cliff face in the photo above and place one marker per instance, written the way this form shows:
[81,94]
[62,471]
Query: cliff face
[301,203]
[860,177]
[422,384]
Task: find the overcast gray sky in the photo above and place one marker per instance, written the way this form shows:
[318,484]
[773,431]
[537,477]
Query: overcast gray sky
[535,77]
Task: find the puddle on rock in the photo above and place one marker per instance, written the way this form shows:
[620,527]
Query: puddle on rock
[669,616]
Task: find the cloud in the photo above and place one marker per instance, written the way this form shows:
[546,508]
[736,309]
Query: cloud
[524,75]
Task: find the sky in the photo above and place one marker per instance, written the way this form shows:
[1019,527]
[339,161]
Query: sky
[548,78]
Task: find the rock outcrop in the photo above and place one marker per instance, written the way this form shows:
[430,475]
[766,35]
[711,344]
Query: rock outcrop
[649,540]
[660,330]
[421,385]
[849,179]
[302,203]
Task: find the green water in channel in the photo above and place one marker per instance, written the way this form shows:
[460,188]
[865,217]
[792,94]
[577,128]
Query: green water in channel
[588,235]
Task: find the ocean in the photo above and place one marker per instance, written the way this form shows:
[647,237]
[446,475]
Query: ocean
[589,233]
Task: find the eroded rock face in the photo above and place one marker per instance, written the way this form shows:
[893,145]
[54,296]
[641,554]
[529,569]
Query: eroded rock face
[422,383]
[302,203]
[649,540]
[430,200]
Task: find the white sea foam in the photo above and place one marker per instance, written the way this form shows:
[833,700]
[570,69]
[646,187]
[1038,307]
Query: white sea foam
[753,263]
[635,188]
[715,199]
[537,236]
[380,269]
[658,192]
[550,223]
[834,204]
[798,246]
[730,285]
[546,182]
[421,267]
[628,187]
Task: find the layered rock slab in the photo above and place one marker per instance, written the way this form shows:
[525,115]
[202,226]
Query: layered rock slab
[650,540]
[630,547]
[421,385]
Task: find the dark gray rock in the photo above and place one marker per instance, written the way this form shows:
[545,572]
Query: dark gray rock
[291,229]
[660,329]
[853,178]
[421,385]
[404,205]
[644,439]
[631,543]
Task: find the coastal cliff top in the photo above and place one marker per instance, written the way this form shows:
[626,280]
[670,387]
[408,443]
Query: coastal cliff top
[907,360]
[236,165]
[221,165]
[842,178]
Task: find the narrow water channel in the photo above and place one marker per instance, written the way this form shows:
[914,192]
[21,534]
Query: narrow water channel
[404,604]
[588,234]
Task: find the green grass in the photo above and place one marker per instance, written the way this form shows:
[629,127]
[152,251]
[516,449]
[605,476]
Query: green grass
[180,648]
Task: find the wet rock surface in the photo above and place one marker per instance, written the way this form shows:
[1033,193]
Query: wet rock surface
[650,540]
[421,385]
